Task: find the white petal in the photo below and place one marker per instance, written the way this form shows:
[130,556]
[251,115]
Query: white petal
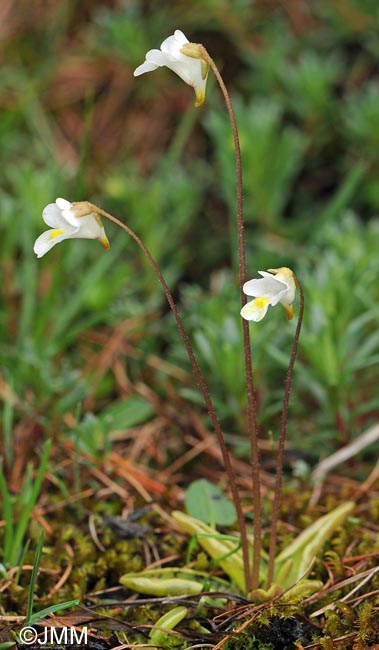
[59,214]
[180,37]
[158,58]
[277,278]
[187,69]
[198,82]
[147,66]
[288,298]
[280,297]
[255,309]
[183,70]
[290,293]
[70,217]
[90,227]
[45,242]
[63,204]
[268,287]
[67,210]
[172,46]
[52,216]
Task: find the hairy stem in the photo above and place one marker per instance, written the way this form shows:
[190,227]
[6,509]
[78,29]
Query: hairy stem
[282,441]
[201,382]
[252,421]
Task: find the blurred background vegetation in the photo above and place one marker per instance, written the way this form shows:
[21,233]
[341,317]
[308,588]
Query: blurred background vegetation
[87,344]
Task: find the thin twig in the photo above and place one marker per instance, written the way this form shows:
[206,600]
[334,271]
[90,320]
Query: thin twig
[341,456]
[282,441]
[365,576]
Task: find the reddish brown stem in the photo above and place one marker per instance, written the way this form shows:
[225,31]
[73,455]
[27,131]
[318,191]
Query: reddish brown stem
[252,420]
[282,442]
[200,380]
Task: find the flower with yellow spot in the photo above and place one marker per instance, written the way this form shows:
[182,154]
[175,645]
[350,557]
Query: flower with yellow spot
[275,286]
[183,58]
[69,221]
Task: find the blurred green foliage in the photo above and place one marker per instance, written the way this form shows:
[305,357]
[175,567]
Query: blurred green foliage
[206,502]
[271,158]
[75,123]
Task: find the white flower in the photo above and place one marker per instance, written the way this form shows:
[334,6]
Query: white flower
[192,68]
[278,285]
[68,221]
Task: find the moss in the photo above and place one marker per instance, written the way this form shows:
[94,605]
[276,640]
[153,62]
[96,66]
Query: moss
[275,627]
[327,643]
[335,624]
[246,642]
[368,623]
[276,633]
[374,509]
[335,563]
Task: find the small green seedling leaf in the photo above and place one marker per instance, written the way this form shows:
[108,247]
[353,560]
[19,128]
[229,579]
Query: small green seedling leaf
[221,548]
[146,583]
[123,414]
[206,502]
[167,622]
[292,563]
[171,581]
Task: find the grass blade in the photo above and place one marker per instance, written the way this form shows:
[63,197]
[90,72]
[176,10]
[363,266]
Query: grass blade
[33,579]
[27,511]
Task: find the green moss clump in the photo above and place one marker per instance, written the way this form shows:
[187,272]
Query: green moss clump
[276,633]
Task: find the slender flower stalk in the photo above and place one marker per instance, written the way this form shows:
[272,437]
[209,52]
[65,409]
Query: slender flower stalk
[192,62]
[282,440]
[202,385]
[252,421]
